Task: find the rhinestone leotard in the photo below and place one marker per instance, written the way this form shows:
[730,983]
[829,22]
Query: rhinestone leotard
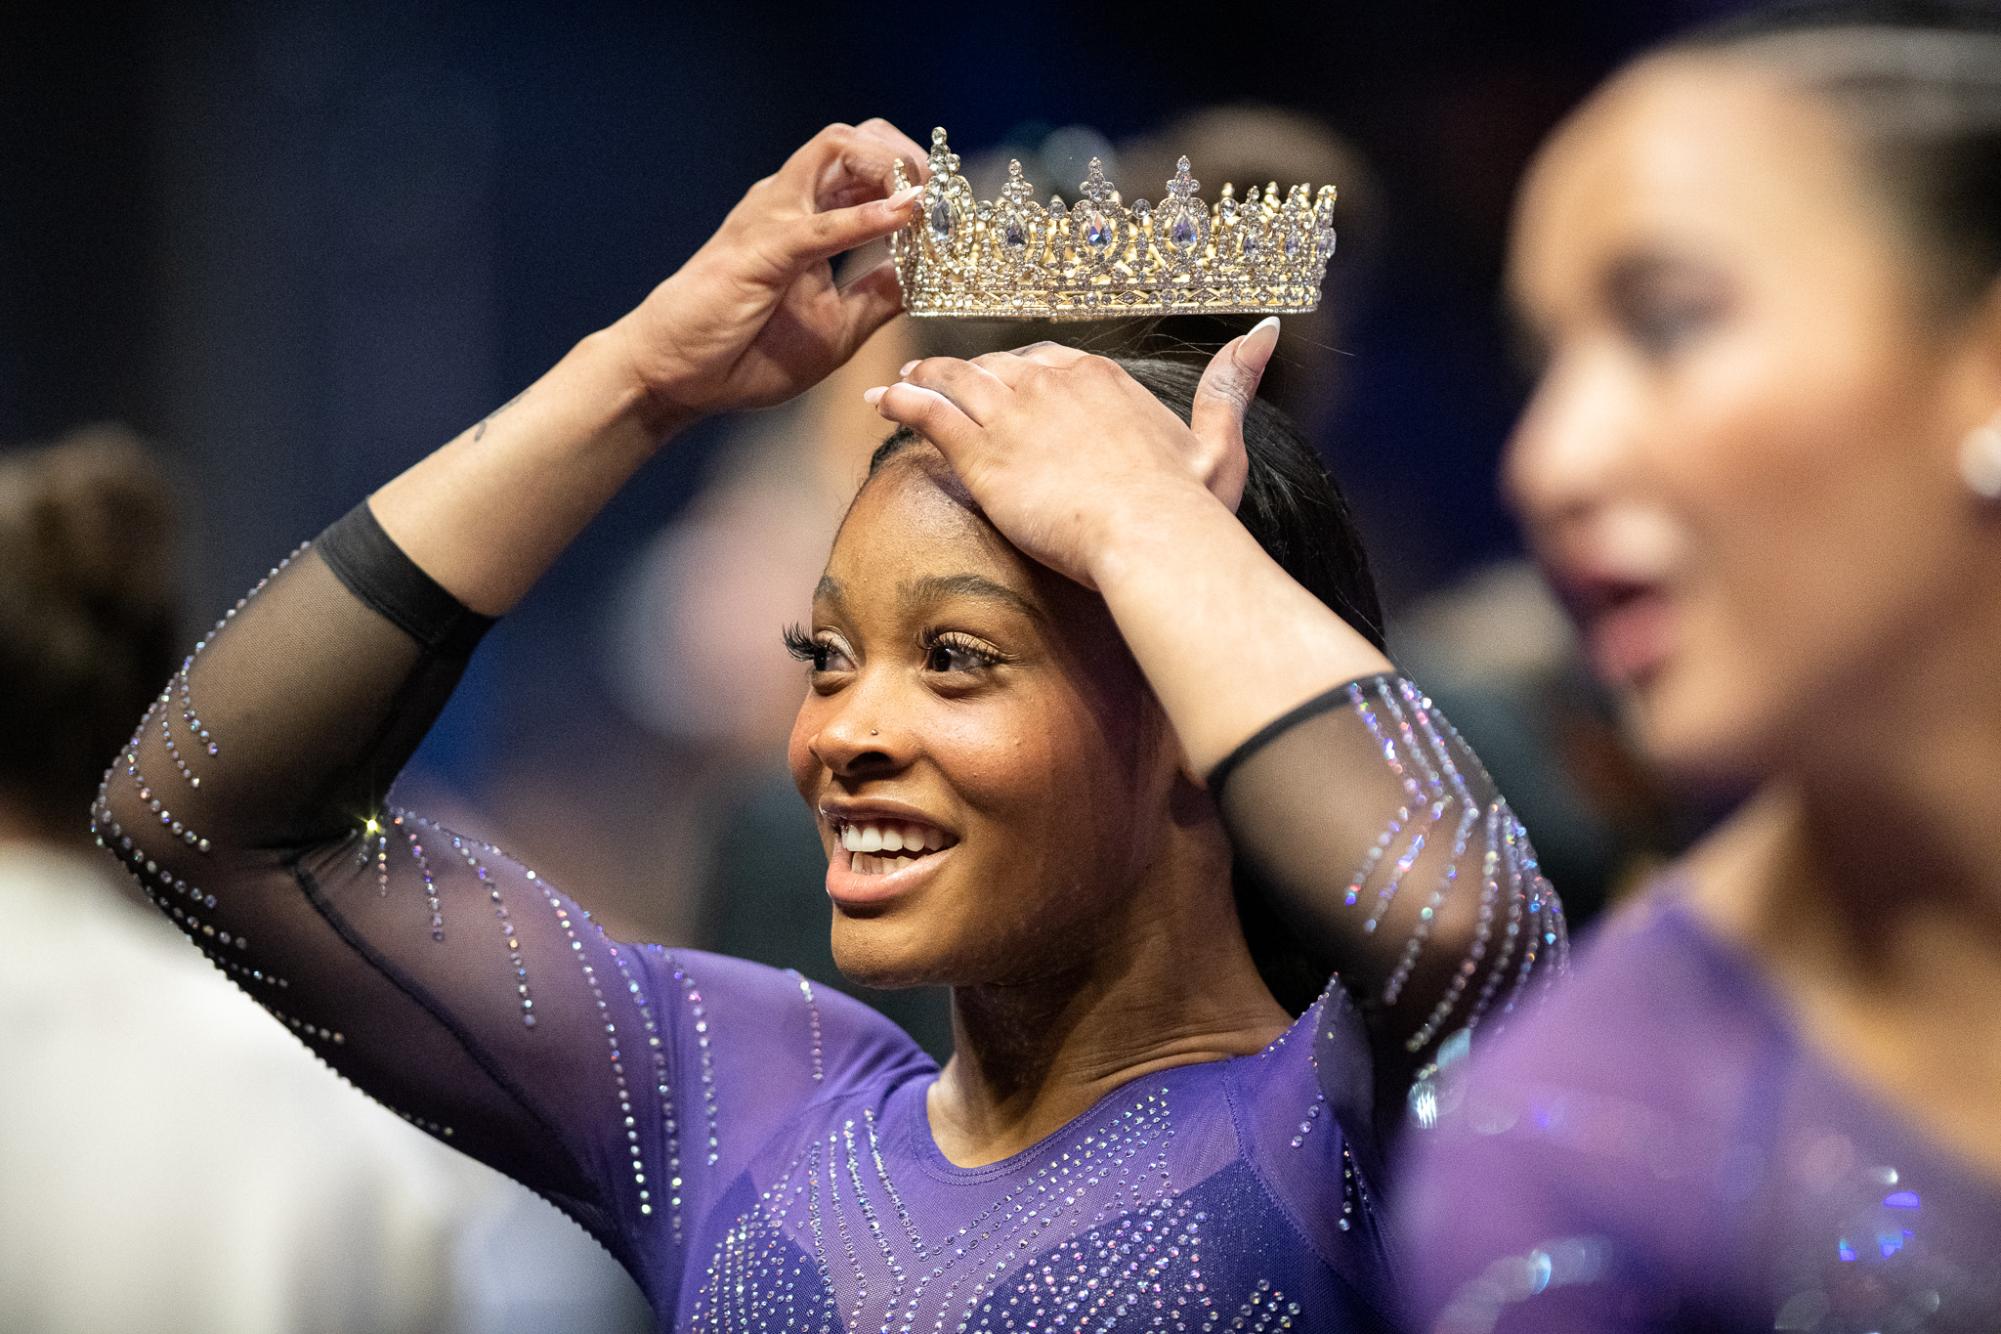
[753,1148]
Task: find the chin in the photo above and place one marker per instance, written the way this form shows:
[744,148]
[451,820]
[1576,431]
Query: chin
[1703,731]
[886,954]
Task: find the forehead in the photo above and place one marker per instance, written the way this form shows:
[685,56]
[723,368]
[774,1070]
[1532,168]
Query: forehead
[912,519]
[1709,151]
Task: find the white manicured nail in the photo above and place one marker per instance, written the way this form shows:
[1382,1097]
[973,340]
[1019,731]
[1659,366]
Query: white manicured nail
[1256,349]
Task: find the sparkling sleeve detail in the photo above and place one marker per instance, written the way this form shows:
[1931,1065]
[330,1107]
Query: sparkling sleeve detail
[1377,826]
[813,1023]
[699,1022]
[435,972]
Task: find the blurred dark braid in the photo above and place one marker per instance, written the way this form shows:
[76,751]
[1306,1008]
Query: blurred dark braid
[88,615]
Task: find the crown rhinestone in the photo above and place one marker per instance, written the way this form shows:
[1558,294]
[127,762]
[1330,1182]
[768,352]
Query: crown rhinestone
[1011,257]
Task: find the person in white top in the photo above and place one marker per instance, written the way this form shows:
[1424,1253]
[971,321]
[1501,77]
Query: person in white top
[170,1161]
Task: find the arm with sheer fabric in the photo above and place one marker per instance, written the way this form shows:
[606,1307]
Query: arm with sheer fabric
[1377,830]
[425,965]
[1380,834]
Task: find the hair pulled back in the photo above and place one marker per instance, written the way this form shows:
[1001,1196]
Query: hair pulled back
[1298,515]
[1918,84]
[88,615]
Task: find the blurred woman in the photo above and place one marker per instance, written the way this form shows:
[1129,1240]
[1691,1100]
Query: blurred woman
[1763,464]
[1160,1111]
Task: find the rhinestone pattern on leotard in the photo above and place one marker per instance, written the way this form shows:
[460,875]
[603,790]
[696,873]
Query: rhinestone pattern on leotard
[726,1129]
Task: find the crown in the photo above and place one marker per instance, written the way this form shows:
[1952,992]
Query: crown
[1012,258]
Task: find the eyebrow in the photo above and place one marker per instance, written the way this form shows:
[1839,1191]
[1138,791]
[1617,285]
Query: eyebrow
[939,587]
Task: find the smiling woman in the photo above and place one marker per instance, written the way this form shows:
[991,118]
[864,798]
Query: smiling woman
[1083,745]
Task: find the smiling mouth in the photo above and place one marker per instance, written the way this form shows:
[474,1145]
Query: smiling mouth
[883,847]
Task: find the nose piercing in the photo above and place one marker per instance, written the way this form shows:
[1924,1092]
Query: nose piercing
[871,731]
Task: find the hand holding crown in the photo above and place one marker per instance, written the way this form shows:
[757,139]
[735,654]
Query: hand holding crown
[755,315]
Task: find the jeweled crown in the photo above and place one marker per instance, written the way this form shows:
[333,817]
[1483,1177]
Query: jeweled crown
[1013,258]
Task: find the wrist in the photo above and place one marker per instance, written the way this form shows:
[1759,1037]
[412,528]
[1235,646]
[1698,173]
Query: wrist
[1156,524]
[615,349]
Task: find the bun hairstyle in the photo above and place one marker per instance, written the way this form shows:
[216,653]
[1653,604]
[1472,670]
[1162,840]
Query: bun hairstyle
[1298,515]
[88,615]
[1918,83]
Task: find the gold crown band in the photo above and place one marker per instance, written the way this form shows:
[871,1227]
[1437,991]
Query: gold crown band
[1012,258]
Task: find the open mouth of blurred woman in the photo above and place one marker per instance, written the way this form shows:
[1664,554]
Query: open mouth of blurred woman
[1627,625]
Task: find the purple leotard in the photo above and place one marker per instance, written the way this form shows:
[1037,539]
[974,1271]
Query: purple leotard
[753,1148]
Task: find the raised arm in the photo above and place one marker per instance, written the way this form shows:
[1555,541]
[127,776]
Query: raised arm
[426,965]
[1375,826]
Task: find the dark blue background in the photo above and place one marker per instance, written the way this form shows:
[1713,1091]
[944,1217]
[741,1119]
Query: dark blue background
[300,243]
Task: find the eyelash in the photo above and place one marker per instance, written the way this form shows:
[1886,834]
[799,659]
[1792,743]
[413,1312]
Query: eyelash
[808,649]
[804,647]
[933,640]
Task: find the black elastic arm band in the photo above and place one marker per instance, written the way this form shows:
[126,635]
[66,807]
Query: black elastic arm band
[1331,698]
[373,568]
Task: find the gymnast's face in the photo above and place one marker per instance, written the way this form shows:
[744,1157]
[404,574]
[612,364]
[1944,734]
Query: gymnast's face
[991,777]
[1738,462]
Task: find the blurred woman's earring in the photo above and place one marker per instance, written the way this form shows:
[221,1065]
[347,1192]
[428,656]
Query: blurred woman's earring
[1980,460]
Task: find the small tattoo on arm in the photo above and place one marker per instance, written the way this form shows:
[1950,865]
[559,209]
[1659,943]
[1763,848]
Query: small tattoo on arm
[480,429]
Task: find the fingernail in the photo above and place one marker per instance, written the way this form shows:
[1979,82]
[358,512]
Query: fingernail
[874,396]
[902,198]
[908,367]
[1256,349]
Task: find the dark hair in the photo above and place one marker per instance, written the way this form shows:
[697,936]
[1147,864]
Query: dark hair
[1298,515]
[88,623]
[1918,82]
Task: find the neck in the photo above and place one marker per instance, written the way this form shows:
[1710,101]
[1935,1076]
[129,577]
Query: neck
[1869,891]
[1171,986]
[1876,858]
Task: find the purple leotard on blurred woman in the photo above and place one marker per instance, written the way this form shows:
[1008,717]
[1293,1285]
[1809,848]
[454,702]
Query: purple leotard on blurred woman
[1763,463]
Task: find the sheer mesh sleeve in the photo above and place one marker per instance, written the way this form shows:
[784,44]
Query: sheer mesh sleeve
[1379,835]
[438,974]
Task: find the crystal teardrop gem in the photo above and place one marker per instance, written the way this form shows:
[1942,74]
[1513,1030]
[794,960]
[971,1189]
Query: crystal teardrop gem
[1182,232]
[1014,236]
[941,220]
[1097,230]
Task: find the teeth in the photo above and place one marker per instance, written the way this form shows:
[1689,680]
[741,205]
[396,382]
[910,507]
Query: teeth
[885,836]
